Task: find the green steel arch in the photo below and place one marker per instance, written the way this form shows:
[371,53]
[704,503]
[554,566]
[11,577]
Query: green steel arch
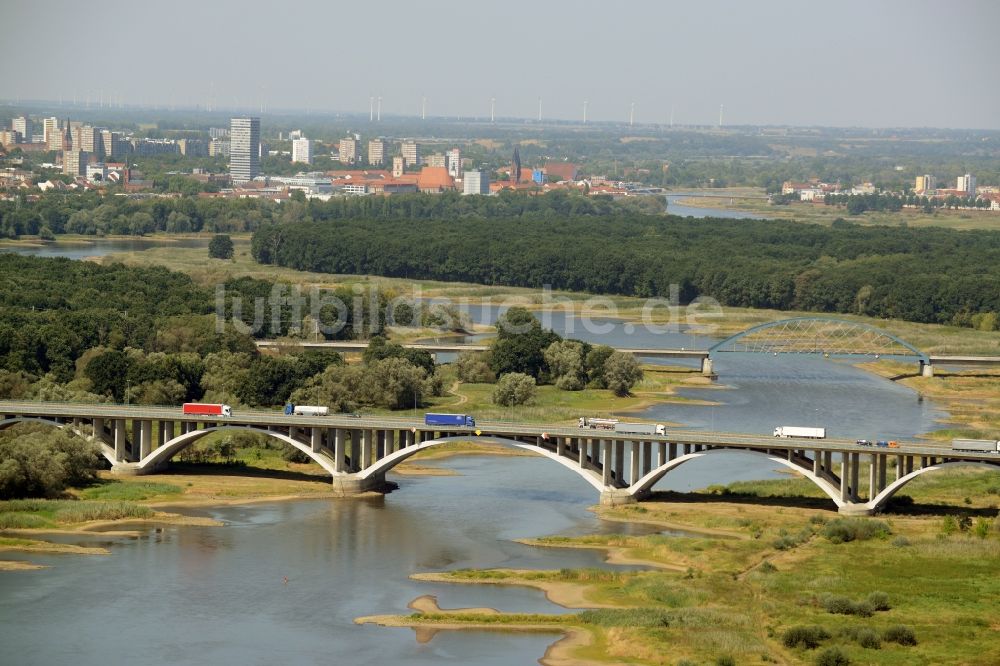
[819,335]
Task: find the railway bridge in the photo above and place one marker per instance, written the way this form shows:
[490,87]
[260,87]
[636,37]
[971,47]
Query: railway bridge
[357,452]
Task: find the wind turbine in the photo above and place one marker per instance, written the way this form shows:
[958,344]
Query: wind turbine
[584,112]
[493,104]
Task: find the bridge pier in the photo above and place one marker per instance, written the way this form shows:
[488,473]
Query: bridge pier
[617,497]
[707,367]
[349,485]
[926,369]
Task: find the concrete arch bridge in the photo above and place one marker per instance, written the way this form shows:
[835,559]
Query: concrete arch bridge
[622,468]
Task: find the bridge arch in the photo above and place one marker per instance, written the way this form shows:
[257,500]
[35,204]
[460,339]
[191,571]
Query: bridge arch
[388,462]
[645,484]
[174,446]
[105,450]
[880,500]
[811,335]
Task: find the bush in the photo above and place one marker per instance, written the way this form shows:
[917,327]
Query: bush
[879,601]
[839,605]
[514,388]
[36,461]
[901,542]
[767,567]
[842,530]
[866,637]
[832,656]
[899,633]
[725,660]
[220,247]
[474,368]
[807,636]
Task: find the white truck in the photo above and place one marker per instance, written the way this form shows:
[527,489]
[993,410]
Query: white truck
[977,445]
[597,424]
[798,431]
[640,428]
[306,410]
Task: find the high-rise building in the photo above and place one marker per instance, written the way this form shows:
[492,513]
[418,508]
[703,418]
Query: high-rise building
[192,147]
[75,162]
[113,145]
[302,150]
[398,166]
[967,184]
[454,162]
[411,153]
[244,149]
[925,183]
[52,136]
[348,150]
[376,152]
[218,148]
[476,182]
[89,140]
[437,160]
[24,126]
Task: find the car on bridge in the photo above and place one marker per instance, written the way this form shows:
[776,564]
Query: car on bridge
[864,442]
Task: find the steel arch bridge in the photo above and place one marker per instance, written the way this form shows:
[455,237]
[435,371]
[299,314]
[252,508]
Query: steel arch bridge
[819,335]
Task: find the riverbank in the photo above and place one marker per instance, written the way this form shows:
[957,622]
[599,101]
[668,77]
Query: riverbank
[713,599]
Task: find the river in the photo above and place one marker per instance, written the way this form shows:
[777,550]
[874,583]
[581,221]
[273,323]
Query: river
[98,247]
[675,208]
[193,595]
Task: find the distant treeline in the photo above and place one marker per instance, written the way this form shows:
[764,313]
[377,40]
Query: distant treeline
[91,214]
[925,275]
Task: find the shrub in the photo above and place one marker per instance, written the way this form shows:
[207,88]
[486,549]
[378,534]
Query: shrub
[220,247]
[767,567]
[36,462]
[514,388]
[879,601]
[839,605]
[843,530]
[899,633]
[901,542]
[725,660]
[806,636]
[948,525]
[866,637]
[832,656]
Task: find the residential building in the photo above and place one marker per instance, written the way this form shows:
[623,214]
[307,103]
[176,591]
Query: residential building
[376,152]
[53,137]
[75,162]
[23,125]
[561,170]
[218,148]
[434,179]
[925,183]
[9,137]
[192,147]
[218,132]
[302,150]
[398,166]
[89,140]
[244,149]
[113,145]
[967,184]
[454,162]
[437,160]
[348,150]
[411,153]
[476,182]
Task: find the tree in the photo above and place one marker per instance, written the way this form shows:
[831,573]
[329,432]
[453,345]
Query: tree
[520,344]
[514,388]
[565,361]
[36,461]
[108,372]
[594,364]
[395,383]
[621,373]
[220,247]
[474,368]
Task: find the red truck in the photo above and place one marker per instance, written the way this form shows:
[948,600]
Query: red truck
[207,409]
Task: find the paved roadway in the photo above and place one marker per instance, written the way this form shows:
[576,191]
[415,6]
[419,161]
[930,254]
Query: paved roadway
[439,348]
[498,428]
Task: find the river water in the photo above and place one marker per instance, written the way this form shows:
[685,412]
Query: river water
[98,247]
[194,595]
[675,208]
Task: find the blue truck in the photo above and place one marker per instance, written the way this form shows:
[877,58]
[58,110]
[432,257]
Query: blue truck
[461,420]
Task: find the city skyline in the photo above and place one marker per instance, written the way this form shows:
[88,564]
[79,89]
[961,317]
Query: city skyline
[861,66]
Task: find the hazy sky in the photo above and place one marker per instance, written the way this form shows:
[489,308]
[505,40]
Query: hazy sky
[870,63]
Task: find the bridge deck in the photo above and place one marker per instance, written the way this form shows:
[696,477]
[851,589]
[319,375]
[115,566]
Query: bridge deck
[486,428]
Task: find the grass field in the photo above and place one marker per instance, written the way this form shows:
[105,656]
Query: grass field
[822,214]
